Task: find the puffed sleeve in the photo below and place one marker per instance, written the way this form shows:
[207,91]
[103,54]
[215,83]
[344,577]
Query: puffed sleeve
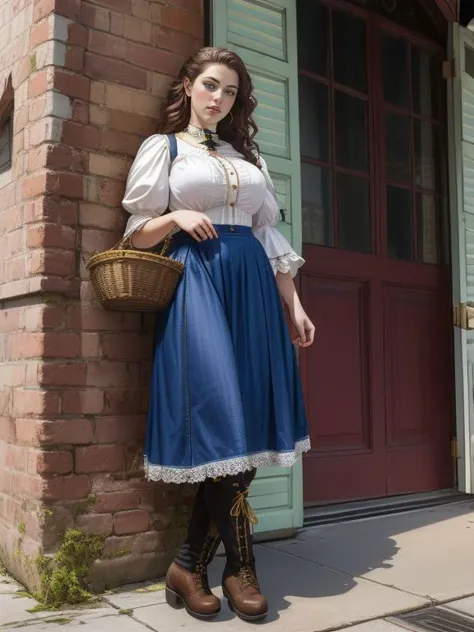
[147,188]
[279,251]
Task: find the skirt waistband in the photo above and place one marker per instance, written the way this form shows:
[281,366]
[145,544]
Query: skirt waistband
[228,230]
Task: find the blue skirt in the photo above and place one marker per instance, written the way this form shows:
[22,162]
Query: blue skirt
[225,391]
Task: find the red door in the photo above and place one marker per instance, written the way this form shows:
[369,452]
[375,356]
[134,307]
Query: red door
[378,381]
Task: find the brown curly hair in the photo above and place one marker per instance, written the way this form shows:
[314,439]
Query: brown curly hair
[240,129]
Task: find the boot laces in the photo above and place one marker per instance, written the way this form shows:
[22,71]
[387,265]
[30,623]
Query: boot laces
[241,507]
[200,577]
[247,578]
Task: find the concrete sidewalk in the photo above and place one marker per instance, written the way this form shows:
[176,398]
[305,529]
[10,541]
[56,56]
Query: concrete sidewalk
[330,577]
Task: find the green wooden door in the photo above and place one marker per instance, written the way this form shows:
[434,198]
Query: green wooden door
[263,33]
[461,182]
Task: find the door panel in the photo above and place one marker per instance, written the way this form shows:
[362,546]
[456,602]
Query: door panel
[378,380]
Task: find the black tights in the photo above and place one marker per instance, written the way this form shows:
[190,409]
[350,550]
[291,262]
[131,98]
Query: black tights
[211,521]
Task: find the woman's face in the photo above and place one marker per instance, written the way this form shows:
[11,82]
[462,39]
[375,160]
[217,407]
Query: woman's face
[212,95]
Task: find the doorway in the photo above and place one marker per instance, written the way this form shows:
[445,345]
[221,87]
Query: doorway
[379,380]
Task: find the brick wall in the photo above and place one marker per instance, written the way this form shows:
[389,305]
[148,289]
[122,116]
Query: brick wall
[89,77]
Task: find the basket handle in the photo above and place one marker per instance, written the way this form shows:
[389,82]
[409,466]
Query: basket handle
[126,243]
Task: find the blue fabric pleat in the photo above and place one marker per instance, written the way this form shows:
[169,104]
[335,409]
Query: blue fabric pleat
[225,382]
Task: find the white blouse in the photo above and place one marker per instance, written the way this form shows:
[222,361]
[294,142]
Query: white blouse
[228,189]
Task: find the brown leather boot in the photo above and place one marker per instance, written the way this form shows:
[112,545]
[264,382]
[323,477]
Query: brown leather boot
[227,500]
[191,590]
[243,595]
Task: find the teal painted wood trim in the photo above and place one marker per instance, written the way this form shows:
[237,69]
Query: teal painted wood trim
[219,23]
[460,100]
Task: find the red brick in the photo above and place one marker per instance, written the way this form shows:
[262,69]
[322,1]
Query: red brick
[117,501]
[99,216]
[106,44]
[132,123]
[174,41]
[66,488]
[70,185]
[112,374]
[58,157]
[16,458]
[71,85]
[5,482]
[60,263]
[105,458]
[123,6]
[152,59]
[131,522]
[46,345]
[38,84]
[107,69]
[182,21]
[141,9]
[51,433]
[80,135]
[43,8]
[189,5]
[94,17]
[39,33]
[52,462]
[48,209]
[68,287]
[90,402]
[93,524]
[120,401]
[68,8]
[14,269]
[52,374]
[10,320]
[115,546]
[88,318]
[37,185]
[24,485]
[136,29]
[74,58]
[38,317]
[80,112]
[51,236]
[120,142]
[128,347]
[7,430]
[34,402]
[12,375]
[21,119]
[77,34]
[147,542]
[116,24]
[111,192]
[119,430]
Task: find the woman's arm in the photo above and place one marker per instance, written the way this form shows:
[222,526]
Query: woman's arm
[154,231]
[197,224]
[304,328]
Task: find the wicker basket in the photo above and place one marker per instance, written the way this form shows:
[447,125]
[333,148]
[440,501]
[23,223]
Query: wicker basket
[130,280]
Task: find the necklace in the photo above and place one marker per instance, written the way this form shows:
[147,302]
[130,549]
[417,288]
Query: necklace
[205,137]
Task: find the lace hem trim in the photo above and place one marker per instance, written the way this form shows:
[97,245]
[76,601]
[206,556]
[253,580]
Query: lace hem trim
[289,262]
[225,468]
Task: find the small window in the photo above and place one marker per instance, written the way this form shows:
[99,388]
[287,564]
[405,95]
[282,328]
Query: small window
[6,126]
[6,134]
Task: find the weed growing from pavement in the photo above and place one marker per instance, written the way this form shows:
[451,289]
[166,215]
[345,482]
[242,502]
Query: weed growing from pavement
[64,575]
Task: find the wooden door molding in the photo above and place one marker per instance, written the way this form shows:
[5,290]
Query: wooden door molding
[449,9]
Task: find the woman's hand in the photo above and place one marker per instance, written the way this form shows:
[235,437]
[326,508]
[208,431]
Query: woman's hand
[303,328]
[196,224]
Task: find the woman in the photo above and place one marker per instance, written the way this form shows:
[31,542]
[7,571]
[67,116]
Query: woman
[225,391]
